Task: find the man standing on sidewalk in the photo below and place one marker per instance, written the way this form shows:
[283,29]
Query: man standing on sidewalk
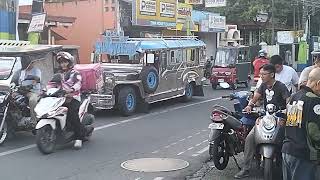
[301,148]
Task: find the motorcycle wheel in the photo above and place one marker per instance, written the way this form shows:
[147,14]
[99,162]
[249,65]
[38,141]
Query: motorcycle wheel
[4,133]
[46,139]
[219,154]
[267,174]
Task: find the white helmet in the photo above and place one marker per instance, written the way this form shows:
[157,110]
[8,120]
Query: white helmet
[262,53]
[62,55]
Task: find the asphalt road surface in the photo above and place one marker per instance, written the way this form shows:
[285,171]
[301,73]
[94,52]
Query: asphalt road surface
[171,130]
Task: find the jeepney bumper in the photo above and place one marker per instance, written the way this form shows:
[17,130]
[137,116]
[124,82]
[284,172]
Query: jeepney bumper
[102,101]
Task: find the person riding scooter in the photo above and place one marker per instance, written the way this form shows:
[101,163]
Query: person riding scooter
[30,78]
[272,92]
[71,83]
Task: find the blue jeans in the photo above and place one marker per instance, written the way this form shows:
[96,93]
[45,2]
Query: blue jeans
[294,168]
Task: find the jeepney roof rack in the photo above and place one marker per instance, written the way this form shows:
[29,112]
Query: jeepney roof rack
[161,38]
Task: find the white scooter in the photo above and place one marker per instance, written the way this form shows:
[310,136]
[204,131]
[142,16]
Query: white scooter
[53,119]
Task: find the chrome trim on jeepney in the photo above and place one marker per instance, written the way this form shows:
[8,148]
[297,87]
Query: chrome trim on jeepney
[101,101]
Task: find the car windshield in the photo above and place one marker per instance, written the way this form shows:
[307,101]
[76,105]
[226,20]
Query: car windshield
[6,67]
[225,57]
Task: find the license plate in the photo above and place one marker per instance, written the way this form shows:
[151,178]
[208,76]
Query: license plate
[216,126]
[220,80]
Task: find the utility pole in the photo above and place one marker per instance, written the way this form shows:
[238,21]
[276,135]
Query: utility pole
[272,36]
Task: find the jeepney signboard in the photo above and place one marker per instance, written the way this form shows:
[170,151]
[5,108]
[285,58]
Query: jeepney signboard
[37,23]
[156,13]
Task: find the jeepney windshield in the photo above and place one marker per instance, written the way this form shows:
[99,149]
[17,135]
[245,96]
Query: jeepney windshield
[126,59]
[6,67]
[225,57]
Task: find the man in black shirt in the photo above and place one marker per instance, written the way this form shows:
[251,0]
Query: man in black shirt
[301,146]
[272,92]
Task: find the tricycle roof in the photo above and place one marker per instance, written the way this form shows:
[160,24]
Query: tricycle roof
[23,48]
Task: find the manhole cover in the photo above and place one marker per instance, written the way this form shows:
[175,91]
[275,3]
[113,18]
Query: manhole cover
[154,164]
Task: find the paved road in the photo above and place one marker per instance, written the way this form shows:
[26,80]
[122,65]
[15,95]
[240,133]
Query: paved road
[172,129]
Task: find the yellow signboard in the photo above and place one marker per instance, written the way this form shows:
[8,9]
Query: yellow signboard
[156,13]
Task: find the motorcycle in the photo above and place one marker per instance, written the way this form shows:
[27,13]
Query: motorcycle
[14,112]
[52,126]
[269,135]
[229,129]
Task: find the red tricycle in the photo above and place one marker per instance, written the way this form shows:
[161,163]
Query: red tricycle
[231,66]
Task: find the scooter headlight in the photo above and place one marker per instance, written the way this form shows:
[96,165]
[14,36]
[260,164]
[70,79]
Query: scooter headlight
[269,122]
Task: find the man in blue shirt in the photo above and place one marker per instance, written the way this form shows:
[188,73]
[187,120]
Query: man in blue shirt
[31,78]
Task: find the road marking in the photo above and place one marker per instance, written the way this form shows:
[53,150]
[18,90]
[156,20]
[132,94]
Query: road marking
[167,146]
[17,150]
[181,153]
[139,178]
[173,144]
[182,140]
[158,178]
[189,137]
[205,141]
[201,151]
[198,144]
[198,133]
[155,152]
[190,148]
[5,153]
[204,130]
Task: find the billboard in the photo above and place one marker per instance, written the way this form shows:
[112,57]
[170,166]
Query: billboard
[8,19]
[193,1]
[155,13]
[215,3]
[217,22]
[184,11]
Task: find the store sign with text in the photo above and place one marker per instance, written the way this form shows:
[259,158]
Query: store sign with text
[193,1]
[184,11]
[156,13]
[215,3]
[217,22]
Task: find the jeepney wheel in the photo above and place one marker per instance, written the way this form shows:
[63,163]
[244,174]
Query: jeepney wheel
[214,86]
[127,101]
[150,79]
[188,92]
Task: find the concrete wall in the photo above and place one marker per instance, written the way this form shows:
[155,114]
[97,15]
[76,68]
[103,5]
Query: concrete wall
[91,21]
[211,41]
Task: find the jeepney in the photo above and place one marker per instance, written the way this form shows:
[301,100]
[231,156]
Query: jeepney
[141,71]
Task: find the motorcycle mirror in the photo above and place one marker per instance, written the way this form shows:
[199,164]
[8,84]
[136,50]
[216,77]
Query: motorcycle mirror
[225,85]
[12,85]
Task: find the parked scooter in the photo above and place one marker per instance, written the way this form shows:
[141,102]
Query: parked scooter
[269,135]
[52,127]
[229,129]
[14,112]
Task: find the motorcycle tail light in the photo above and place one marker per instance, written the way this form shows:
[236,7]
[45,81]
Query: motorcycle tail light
[216,116]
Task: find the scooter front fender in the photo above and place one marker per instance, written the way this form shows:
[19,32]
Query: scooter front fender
[44,122]
[267,150]
[214,134]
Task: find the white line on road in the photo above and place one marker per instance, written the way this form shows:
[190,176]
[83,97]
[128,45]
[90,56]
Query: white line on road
[158,178]
[5,153]
[155,152]
[189,137]
[198,133]
[173,144]
[190,148]
[139,178]
[180,153]
[205,141]
[204,130]
[182,140]
[167,147]
[201,151]
[198,144]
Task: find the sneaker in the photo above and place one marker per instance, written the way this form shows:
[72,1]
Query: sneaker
[78,144]
[242,174]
